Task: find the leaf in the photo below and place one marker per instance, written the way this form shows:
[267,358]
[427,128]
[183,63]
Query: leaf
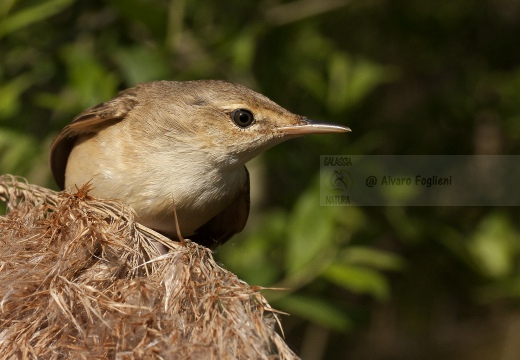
[495,245]
[31,15]
[350,81]
[319,311]
[311,231]
[358,279]
[367,256]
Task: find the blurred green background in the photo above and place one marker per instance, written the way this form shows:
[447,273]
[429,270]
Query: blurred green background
[408,76]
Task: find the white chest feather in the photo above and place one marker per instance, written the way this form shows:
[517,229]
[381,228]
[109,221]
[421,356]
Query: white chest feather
[155,181]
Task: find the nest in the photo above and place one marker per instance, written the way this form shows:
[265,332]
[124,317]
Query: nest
[80,279]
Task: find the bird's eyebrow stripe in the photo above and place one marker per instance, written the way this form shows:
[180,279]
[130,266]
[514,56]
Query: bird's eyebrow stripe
[229,107]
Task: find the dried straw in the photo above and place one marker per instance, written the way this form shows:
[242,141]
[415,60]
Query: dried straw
[80,279]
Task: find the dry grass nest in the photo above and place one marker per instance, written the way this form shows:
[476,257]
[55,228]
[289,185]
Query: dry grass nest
[80,279]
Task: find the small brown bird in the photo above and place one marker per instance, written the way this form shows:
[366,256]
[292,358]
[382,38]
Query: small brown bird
[168,145]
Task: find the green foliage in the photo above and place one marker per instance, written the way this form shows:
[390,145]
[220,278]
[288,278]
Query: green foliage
[309,233]
[409,77]
[495,246]
[304,250]
[317,310]
[9,95]
[30,15]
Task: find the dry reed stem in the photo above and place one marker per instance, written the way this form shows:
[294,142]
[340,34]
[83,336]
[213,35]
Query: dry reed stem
[80,279]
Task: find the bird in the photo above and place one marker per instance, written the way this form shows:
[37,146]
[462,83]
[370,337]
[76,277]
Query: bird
[175,152]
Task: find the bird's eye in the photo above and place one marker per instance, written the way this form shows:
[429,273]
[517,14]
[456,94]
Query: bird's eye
[242,117]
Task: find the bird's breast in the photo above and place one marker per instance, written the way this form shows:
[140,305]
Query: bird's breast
[154,181]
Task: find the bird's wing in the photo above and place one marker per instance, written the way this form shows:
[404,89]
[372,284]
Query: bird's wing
[227,223]
[88,122]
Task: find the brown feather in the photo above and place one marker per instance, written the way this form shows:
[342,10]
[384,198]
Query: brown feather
[88,122]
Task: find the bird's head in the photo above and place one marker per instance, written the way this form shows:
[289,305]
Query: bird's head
[225,124]
[232,122]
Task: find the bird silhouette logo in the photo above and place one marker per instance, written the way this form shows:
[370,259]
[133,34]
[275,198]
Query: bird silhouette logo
[340,181]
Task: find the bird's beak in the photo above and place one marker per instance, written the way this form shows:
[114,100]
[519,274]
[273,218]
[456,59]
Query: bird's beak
[307,126]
